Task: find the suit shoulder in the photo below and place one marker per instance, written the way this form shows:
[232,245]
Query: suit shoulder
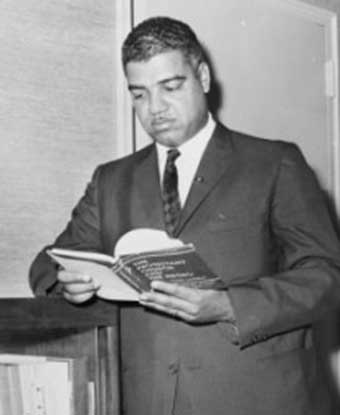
[128,161]
[265,148]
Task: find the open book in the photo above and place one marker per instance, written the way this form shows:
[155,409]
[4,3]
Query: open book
[137,262]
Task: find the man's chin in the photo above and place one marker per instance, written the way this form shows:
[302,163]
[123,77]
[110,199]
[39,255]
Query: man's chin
[166,138]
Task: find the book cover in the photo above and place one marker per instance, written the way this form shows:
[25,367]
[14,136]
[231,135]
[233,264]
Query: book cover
[181,265]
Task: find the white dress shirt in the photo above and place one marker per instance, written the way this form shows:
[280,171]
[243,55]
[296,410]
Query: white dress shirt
[187,164]
[189,159]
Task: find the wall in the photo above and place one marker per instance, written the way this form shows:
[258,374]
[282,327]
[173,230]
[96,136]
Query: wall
[58,117]
[57,120]
[267,48]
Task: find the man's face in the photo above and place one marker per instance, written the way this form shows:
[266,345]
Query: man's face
[168,95]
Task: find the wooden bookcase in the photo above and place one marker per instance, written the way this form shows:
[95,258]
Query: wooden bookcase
[90,333]
[53,327]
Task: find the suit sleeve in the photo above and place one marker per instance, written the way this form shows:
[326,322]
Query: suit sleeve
[308,281]
[82,232]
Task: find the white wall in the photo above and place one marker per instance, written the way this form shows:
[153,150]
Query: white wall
[57,120]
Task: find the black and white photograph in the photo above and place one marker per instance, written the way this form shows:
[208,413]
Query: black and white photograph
[170,207]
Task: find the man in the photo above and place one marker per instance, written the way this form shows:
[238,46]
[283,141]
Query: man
[255,213]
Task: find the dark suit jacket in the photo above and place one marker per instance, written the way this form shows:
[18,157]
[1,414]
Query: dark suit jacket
[258,218]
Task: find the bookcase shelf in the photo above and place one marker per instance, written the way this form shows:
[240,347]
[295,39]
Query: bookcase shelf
[53,327]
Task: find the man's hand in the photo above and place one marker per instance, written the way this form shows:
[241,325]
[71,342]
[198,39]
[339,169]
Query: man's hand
[192,305]
[77,288]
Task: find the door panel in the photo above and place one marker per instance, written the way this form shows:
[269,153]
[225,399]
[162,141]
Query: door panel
[269,62]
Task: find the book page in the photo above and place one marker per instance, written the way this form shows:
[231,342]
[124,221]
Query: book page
[145,239]
[132,242]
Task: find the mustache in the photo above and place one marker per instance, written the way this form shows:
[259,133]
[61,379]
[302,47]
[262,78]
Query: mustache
[159,120]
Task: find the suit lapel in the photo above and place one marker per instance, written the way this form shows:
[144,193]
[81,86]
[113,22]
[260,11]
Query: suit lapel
[215,161]
[147,188]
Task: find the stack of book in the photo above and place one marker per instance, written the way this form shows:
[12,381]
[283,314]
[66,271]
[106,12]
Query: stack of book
[37,385]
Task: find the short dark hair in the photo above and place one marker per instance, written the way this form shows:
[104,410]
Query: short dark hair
[158,35]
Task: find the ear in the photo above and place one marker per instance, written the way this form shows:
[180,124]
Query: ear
[203,72]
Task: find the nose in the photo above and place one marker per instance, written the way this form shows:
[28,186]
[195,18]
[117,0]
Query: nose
[157,103]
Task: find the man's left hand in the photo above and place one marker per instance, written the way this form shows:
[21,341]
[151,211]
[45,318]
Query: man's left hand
[195,306]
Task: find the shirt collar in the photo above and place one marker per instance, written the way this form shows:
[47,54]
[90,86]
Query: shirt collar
[196,144]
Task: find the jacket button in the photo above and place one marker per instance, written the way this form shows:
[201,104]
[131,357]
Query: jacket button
[199,179]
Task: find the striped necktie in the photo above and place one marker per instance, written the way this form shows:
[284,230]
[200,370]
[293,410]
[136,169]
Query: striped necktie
[170,196]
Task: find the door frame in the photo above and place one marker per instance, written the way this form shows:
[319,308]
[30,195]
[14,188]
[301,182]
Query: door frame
[329,20]
[128,140]
[124,127]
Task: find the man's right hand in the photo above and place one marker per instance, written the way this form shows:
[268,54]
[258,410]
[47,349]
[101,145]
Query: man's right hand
[77,288]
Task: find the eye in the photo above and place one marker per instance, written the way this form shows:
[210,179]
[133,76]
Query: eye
[137,95]
[173,85]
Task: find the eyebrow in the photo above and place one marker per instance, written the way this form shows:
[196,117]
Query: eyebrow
[173,78]
[132,87]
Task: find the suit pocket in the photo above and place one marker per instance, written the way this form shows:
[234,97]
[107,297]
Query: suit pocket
[223,223]
[281,345]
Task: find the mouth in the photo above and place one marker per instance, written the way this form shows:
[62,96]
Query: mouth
[161,124]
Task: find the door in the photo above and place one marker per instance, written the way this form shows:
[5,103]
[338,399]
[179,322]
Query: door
[275,65]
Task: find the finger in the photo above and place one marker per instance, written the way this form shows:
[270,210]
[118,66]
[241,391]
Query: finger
[79,288]
[165,302]
[75,283]
[174,312]
[78,298]
[186,293]
[73,277]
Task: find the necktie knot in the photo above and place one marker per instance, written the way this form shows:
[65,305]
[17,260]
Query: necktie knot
[173,154]
[170,172]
